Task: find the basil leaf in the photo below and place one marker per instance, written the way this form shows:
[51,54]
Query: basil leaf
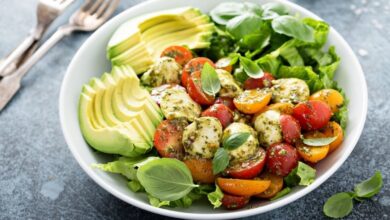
[210,81]
[251,68]
[227,61]
[220,160]
[369,187]
[293,27]
[302,175]
[240,75]
[226,11]
[282,193]
[338,205]
[215,197]
[273,9]
[317,142]
[243,25]
[235,140]
[166,179]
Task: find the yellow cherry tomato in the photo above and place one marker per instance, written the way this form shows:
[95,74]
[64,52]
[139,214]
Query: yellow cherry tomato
[313,154]
[331,97]
[333,129]
[252,101]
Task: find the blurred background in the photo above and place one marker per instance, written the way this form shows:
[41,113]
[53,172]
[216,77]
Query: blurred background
[39,179]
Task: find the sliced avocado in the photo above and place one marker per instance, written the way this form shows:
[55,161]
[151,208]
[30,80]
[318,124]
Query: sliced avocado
[99,87]
[139,41]
[113,140]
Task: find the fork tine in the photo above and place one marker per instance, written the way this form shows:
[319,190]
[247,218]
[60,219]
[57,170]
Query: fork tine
[113,5]
[102,8]
[94,6]
[86,5]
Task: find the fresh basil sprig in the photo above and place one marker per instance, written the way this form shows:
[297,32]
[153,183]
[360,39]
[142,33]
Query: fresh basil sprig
[166,179]
[341,204]
[221,157]
[210,81]
[317,142]
[251,68]
[235,140]
[293,27]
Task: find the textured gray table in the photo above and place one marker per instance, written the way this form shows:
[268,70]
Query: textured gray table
[39,179]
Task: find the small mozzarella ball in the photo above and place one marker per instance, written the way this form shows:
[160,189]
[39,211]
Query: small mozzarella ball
[267,124]
[290,90]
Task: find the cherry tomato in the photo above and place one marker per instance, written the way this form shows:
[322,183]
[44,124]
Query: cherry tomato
[252,101]
[331,97]
[223,63]
[263,82]
[194,89]
[234,202]
[226,101]
[221,112]
[312,115]
[181,54]
[248,169]
[240,187]
[290,129]
[281,159]
[201,169]
[282,107]
[168,138]
[157,92]
[333,129]
[193,65]
[312,154]
[274,188]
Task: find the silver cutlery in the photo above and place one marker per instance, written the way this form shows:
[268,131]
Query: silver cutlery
[47,12]
[88,18]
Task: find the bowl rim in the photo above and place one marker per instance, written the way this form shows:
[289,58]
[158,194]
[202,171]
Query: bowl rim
[229,215]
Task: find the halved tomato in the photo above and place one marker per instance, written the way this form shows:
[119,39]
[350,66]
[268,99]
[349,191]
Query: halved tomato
[240,187]
[248,169]
[274,188]
[221,112]
[234,202]
[168,138]
[181,54]
[194,89]
[193,65]
[281,159]
[263,82]
[252,101]
[201,169]
[312,115]
[226,101]
[290,129]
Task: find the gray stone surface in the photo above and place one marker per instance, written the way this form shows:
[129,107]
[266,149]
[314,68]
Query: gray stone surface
[39,179]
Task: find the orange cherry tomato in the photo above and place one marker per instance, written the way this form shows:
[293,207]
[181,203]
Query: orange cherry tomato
[274,188]
[252,101]
[201,169]
[331,97]
[181,54]
[193,65]
[333,129]
[312,154]
[194,89]
[283,107]
[240,187]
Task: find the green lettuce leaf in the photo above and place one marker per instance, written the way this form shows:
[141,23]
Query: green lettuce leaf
[305,73]
[215,198]
[302,175]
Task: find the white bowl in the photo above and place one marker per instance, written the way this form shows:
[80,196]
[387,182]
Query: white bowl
[91,61]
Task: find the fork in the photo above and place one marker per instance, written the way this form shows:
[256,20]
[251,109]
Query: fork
[88,18]
[47,12]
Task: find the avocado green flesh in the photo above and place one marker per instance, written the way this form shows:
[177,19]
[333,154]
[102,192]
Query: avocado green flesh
[113,119]
[140,41]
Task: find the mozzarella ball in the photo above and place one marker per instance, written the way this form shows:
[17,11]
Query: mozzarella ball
[290,90]
[202,137]
[267,124]
[229,87]
[165,70]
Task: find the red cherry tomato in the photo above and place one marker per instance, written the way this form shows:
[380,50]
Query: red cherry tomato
[263,82]
[312,115]
[181,54]
[248,169]
[221,112]
[281,159]
[157,92]
[168,138]
[290,129]
[194,89]
[193,65]
[234,202]
[226,101]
